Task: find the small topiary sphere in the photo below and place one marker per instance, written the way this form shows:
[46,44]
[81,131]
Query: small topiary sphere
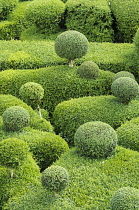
[13,152]
[126,198]
[95,139]
[55,178]
[123,74]
[31,91]
[125,88]
[71,45]
[15,118]
[88,70]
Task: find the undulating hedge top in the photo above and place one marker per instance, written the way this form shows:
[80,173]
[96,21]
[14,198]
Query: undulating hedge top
[92,182]
[60,83]
[126,19]
[69,115]
[92,18]
[22,55]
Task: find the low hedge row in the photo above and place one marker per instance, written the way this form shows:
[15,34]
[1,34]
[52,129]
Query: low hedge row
[22,55]
[35,121]
[69,115]
[60,83]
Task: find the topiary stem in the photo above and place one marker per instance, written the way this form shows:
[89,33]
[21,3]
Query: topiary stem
[12,172]
[71,62]
[39,110]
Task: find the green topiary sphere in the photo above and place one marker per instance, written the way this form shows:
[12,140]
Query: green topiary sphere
[95,139]
[125,88]
[123,74]
[55,178]
[15,118]
[71,44]
[88,70]
[6,6]
[45,14]
[126,198]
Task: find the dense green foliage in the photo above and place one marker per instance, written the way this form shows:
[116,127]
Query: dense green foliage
[128,134]
[123,74]
[55,178]
[88,70]
[15,118]
[136,41]
[45,14]
[92,18]
[6,6]
[71,45]
[8,30]
[125,88]
[125,15]
[92,182]
[46,147]
[126,198]
[95,139]
[60,83]
[69,115]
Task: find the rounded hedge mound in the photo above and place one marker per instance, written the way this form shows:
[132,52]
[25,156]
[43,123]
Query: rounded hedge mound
[15,118]
[42,125]
[95,139]
[45,14]
[71,44]
[55,178]
[123,74]
[125,88]
[126,198]
[88,70]
[6,6]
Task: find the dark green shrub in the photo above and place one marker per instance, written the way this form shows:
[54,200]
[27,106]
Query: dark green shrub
[92,18]
[55,178]
[69,115]
[95,139]
[8,30]
[15,118]
[125,88]
[125,14]
[46,147]
[6,6]
[88,70]
[45,14]
[136,41]
[13,152]
[128,134]
[123,74]
[126,198]
[71,45]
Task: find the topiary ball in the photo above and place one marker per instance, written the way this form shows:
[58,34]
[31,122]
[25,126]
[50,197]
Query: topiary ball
[126,198]
[95,139]
[55,178]
[125,89]
[15,118]
[31,91]
[71,45]
[88,70]
[123,74]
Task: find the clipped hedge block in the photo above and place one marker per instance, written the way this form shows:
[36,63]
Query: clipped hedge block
[95,139]
[92,18]
[69,115]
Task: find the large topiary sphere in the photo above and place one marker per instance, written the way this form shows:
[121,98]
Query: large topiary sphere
[31,91]
[15,118]
[95,139]
[136,41]
[71,44]
[45,14]
[55,178]
[123,74]
[88,70]
[126,198]
[125,89]
[6,6]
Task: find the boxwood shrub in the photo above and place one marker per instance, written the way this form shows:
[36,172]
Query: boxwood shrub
[6,6]
[69,115]
[123,74]
[8,30]
[92,18]
[60,83]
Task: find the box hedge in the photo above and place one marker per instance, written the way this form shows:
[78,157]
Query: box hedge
[92,18]
[60,83]
[69,115]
